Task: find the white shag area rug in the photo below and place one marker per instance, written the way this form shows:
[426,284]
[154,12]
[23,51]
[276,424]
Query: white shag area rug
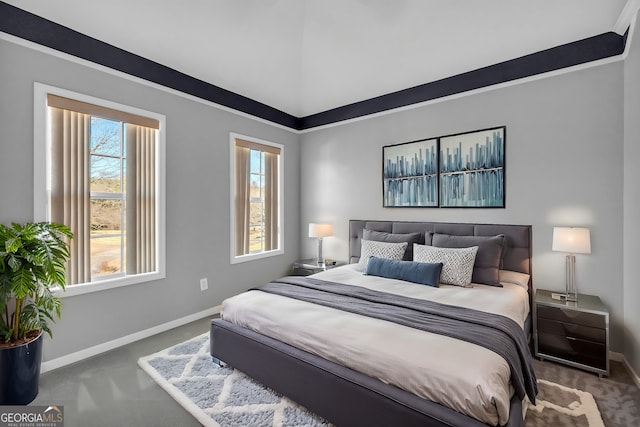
[557,405]
[221,396]
[224,397]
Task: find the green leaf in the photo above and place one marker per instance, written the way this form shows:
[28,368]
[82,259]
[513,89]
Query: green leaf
[12,245]
[13,262]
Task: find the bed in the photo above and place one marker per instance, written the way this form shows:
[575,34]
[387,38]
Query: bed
[359,372]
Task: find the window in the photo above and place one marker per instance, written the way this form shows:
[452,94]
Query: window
[104,178]
[107,172]
[256,213]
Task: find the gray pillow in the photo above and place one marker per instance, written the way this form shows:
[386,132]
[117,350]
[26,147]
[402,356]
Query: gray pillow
[382,236]
[488,259]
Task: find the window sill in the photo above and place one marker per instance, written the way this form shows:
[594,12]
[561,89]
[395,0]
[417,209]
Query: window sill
[252,257]
[103,285]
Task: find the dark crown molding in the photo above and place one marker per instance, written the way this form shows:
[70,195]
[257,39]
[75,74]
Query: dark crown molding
[28,26]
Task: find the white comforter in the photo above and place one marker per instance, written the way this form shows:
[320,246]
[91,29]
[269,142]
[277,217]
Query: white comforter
[465,377]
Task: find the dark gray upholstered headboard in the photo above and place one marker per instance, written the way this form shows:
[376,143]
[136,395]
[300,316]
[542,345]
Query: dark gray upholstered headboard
[517,237]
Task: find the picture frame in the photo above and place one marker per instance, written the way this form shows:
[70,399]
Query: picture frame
[472,169]
[410,174]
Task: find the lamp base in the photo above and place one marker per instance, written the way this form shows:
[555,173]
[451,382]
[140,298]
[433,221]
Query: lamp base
[572,291]
[320,258]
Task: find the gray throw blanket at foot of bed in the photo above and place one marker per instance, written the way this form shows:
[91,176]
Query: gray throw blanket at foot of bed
[494,332]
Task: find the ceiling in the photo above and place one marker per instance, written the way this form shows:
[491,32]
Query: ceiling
[309,56]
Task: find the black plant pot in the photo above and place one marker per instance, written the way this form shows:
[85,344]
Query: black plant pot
[20,372]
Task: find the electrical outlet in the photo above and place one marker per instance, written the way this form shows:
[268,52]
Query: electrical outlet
[203,284]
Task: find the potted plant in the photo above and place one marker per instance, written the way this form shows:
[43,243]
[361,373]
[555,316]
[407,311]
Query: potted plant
[33,260]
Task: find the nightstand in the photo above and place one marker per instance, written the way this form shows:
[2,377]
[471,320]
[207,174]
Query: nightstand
[306,267]
[573,333]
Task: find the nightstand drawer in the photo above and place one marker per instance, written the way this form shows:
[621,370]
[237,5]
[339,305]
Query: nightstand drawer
[572,330]
[576,350]
[572,316]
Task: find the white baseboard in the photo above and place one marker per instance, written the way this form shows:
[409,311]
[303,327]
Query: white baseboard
[619,357]
[68,359]
[633,373]
[615,356]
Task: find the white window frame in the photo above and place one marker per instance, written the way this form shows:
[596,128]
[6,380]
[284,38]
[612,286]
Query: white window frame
[236,259]
[42,182]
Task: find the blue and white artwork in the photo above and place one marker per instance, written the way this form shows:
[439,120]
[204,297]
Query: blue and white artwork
[472,169]
[410,174]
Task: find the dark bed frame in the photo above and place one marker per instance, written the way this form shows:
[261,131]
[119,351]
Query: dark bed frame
[339,394]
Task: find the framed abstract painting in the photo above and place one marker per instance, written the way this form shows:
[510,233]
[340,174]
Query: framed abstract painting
[472,169]
[410,174]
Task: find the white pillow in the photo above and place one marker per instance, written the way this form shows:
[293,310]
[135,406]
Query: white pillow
[517,278]
[457,263]
[388,250]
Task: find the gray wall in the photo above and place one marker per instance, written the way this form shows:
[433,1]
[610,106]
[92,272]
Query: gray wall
[632,203]
[197,215]
[564,149]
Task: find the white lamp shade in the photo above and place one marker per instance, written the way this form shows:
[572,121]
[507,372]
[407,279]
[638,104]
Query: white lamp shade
[320,230]
[571,240]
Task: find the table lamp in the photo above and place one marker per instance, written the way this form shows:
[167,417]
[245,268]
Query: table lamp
[319,231]
[571,240]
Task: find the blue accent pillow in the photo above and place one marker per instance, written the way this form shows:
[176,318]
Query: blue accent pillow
[424,273]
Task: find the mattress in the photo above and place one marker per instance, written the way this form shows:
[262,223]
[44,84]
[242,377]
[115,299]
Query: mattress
[463,376]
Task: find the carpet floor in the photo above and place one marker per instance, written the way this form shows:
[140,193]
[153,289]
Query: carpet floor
[225,397]
[617,396]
